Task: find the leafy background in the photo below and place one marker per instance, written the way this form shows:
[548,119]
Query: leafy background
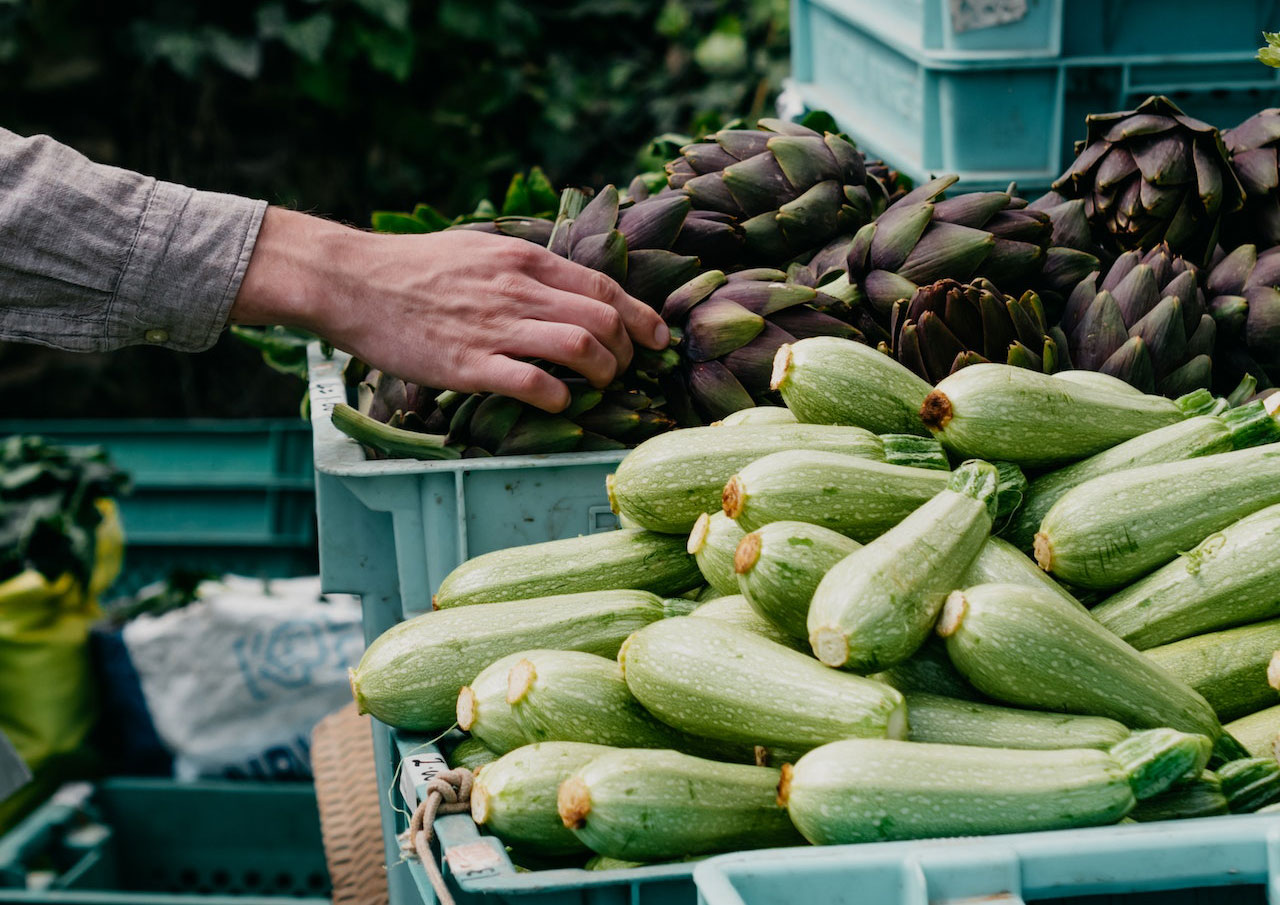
[341,107]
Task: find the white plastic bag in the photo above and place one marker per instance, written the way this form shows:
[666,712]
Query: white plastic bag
[235,681]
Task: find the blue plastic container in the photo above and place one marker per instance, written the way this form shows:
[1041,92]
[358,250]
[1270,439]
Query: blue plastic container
[1004,116]
[1212,861]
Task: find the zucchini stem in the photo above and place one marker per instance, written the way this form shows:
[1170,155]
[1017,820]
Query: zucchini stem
[573,802]
[519,680]
[747,554]
[781,367]
[698,536]
[734,497]
[953,613]
[936,412]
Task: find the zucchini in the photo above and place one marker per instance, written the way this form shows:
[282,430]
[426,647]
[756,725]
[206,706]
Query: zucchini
[1157,758]
[713,542]
[1231,577]
[678,606]
[736,610]
[1020,645]
[876,606]
[1232,669]
[929,671]
[410,676]
[1109,531]
[873,790]
[1204,435]
[716,680]
[656,805]
[761,414]
[945,720]
[572,696]
[1000,562]
[779,566]
[515,796]
[472,754]
[667,481]
[1258,733]
[483,709]
[1250,783]
[629,558]
[826,380]
[996,411]
[1199,796]
[1097,380]
[857,497]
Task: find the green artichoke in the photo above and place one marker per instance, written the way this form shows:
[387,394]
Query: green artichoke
[1153,176]
[1145,322]
[1245,303]
[1255,156]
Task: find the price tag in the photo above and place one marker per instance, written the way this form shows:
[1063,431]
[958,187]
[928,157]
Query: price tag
[416,771]
[473,860]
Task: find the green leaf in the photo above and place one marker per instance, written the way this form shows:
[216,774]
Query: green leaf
[1271,53]
[516,202]
[396,222]
[543,197]
[432,217]
[388,51]
[393,12]
[241,56]
[309,38]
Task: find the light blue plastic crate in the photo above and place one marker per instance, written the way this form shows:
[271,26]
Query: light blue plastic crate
[1211,861]
[994,120]
[1058,28]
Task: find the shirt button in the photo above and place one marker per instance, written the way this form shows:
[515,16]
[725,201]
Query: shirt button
[156,336]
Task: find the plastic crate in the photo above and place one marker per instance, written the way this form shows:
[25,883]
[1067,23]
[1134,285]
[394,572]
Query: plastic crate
[218,496]
[1059,28]
[159,842]
[1212,861]
[998,119]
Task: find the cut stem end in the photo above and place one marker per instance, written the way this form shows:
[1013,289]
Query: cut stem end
[466,709]
[747,554]
[1043,548]
[573,802]
[698,536]
[784,785]
[830,645]
[519,680]
[953,613]
[734,497]
[936,412]
[781,366]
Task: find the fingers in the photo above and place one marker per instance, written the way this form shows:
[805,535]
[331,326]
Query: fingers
[601,320]
[523,381]
[643,323]
[564,344]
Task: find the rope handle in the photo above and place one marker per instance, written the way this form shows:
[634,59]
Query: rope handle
[448,792]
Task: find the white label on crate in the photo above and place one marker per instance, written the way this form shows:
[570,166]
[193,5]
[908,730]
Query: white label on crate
[969,15]
[473,860]
[418,770]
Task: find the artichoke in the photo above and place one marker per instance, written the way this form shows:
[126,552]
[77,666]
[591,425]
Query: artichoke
[948,325]
[790,188]
[1145,322]
[1254,146]
[1245,303]
[1153,176]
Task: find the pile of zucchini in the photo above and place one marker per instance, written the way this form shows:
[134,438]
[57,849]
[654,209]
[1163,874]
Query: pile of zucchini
[1042,601]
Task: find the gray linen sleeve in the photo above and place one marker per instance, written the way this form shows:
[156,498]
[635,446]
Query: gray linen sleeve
[94,257]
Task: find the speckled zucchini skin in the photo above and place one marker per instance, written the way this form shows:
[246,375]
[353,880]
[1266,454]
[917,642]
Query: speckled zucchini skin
[713,543]
[627,558]
[484,712]
[409,677]
[826,380]
[515,796]
[666,482]
[761,414]
[1258,732]
[995,411]
[1000,562]
[944,720]
[655,805]
[1230,668]
[1113,529]
[871,790]
[1020,645]
[472,754]
[715,680]
[779,570]
[735,609]
[929,671]
[1231,577]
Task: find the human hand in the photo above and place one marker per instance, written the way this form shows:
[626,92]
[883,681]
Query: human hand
[454,310]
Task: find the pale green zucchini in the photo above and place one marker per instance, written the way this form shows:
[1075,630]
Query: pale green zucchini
[761,414]
[1112,529]
[1020,645]
[999,562]
[876,606]
[629,558]
[735,609]
[1258,732]
[996,411]
[929,671]
[826,380]
[655,805]
[1204,435]
[410,676]
[483,709]
[679,606]
[874,790]
[1097,380]
[1250,783]
[713,542]
[667,481]
[716,680]
[945,720]
[1231,577]
[1232,669]
[779,566]
[1199,796]
[572,696]
[857,497]
[1156,758]
[515,796]
[472,754]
